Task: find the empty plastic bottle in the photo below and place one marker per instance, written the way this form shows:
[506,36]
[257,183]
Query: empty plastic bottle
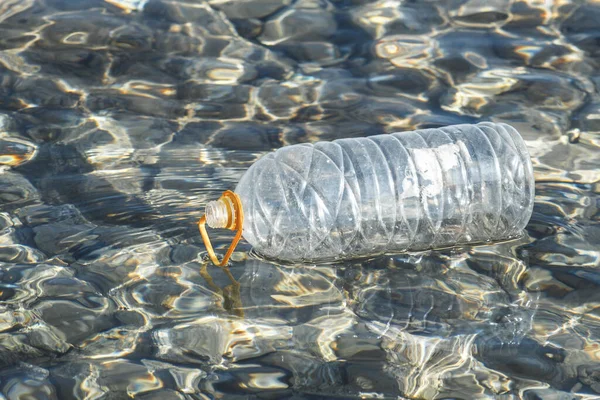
[387,193]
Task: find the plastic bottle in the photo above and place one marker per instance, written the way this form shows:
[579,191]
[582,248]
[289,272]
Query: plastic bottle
[387,193]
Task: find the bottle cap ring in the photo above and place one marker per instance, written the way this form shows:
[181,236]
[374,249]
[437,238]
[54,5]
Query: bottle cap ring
[235,221]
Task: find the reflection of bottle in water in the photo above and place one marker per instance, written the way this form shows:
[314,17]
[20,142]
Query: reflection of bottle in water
[387,193]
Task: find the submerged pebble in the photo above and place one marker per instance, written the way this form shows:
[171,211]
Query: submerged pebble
[14,152]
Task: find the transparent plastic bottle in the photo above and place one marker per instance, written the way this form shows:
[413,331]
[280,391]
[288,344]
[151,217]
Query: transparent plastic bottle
[387,193]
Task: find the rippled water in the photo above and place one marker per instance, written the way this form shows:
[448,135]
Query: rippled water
[120,119]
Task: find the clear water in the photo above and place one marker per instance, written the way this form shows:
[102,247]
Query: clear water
[120,119]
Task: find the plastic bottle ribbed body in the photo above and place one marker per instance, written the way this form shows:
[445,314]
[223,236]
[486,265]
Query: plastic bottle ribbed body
[388,193]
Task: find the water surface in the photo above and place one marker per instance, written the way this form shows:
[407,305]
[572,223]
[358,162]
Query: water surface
[120,119]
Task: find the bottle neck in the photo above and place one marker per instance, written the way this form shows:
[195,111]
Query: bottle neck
[220,213]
